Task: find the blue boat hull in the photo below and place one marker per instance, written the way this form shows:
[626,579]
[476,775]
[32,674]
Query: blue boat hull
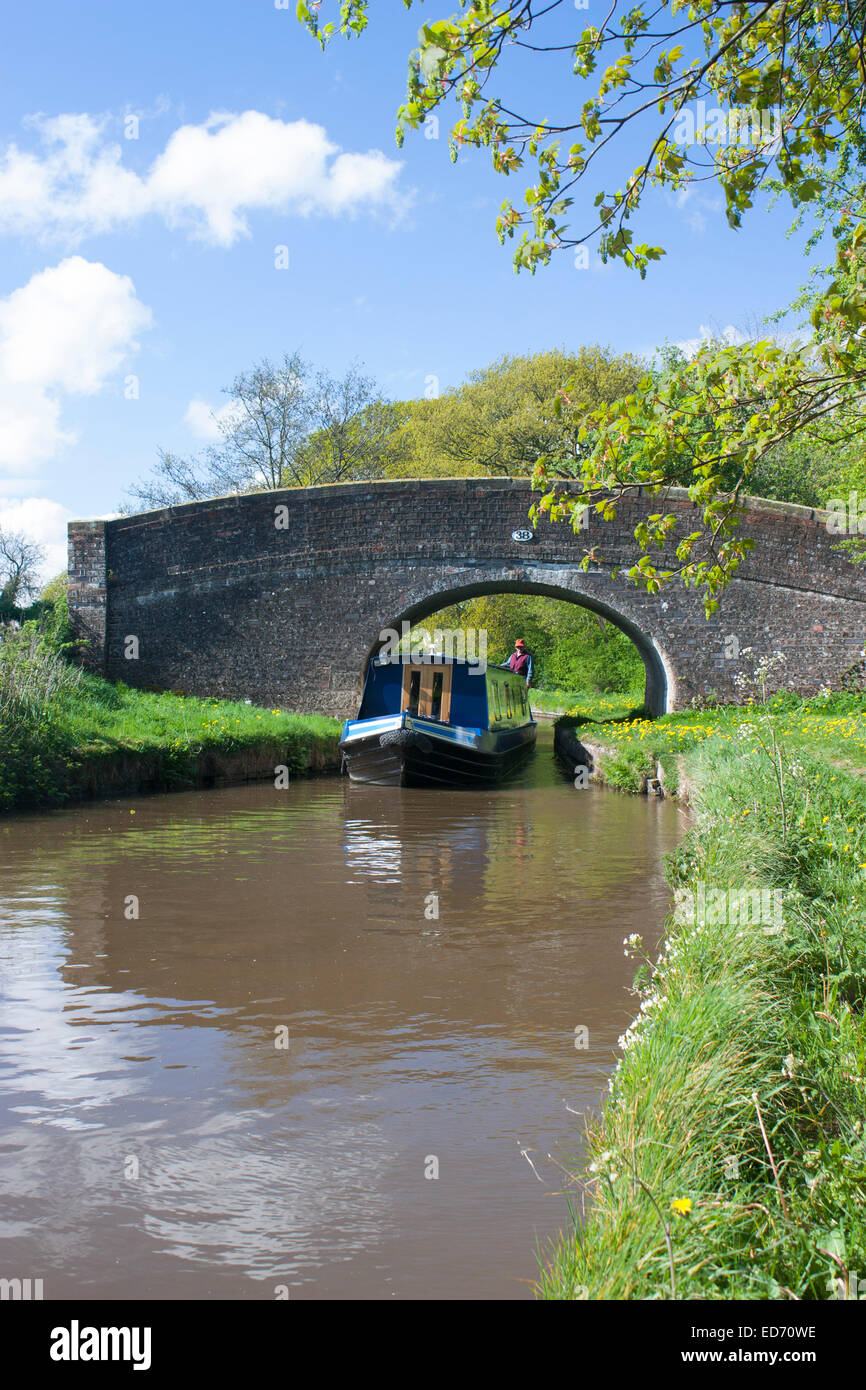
[417,754]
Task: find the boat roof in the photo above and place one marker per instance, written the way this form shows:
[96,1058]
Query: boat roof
[431,659]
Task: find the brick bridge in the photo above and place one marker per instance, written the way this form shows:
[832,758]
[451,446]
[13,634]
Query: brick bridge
[280,597]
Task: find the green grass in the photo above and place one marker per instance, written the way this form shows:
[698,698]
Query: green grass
[590,704]
[103,716]
[61,728]
[740,1092]
[834,725]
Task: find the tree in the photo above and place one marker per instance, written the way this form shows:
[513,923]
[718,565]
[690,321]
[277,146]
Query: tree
[780,80]
[413,450]
[501,419]
[285,426]
[353,432]
[809,470]
[20,562]
[783,83]
[713,421]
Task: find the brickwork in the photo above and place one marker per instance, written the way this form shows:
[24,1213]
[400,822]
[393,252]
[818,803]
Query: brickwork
[279,597]
[87,588]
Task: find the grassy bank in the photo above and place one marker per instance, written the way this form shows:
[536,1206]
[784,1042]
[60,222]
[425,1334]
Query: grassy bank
[729,1161]
[67,734]
[614,705]
[833,726]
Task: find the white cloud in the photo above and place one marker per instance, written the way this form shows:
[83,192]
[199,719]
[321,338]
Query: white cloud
[63,333]
[43,521]
[30,430]
[702,203]
[70,326]
[206,180]
[730,335]
[204,420]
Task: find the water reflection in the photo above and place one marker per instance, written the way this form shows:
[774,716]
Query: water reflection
[156,1142]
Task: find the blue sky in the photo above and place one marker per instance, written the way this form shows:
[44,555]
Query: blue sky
[138,275]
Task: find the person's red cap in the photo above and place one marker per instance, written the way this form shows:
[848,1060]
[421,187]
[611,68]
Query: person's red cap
[520,642]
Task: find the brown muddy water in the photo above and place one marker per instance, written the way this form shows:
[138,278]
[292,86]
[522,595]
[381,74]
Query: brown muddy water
[156,1139]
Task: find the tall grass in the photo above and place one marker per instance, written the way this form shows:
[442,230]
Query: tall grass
[730,1161]
[32,677]
[33,680]
[64,732]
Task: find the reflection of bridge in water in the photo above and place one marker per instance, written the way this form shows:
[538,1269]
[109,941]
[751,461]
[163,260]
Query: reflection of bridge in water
[281,596]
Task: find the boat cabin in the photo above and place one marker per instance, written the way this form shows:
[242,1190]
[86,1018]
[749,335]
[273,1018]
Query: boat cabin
[462,693]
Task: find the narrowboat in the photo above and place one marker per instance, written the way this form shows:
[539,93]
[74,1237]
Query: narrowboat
[437,721]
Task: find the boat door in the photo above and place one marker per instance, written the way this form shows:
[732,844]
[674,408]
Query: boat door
[427,691]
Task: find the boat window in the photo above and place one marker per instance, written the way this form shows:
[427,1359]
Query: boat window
[508,700]
[414,692]
[498,703]
[523,702]
[436,696]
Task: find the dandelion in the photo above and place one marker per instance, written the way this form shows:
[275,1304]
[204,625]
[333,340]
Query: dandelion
[682,1205]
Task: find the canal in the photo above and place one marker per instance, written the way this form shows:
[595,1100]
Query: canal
[244,1058]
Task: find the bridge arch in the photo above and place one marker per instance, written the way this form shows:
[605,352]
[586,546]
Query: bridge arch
[660,686]
[277,596]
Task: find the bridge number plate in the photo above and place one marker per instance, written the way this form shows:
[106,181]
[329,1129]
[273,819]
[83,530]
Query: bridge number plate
[522,535]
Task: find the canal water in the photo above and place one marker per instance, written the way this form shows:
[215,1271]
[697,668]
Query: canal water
[243,1058]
